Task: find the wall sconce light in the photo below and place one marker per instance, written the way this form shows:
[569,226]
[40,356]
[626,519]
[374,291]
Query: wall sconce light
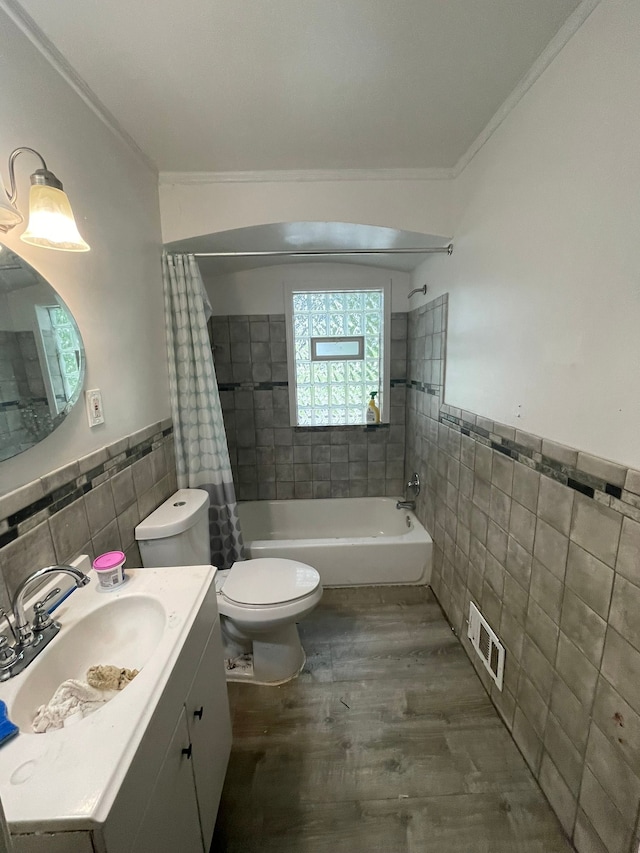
[51,223]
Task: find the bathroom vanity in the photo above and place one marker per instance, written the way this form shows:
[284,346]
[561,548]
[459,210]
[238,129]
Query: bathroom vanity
[145,772]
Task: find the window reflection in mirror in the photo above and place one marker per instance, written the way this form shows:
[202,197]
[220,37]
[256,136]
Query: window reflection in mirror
[41,357]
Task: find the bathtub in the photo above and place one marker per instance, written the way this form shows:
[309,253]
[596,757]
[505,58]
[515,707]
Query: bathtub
[350,541]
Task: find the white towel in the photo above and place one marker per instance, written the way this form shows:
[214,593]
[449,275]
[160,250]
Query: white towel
[71,702]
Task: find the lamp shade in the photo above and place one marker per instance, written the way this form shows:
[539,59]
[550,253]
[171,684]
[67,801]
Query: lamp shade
[51,222]
[9,214]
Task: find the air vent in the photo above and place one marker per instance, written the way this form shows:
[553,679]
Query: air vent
[487,645]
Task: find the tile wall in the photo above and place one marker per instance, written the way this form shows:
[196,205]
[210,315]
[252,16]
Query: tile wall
[87,507]
[546,541]
[271,459]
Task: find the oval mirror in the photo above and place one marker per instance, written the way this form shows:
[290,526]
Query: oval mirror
[41,357]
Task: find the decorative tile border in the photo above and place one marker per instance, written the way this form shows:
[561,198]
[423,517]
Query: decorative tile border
[557,462]
[424,387]
[114,458]
[269,386]
[251,386]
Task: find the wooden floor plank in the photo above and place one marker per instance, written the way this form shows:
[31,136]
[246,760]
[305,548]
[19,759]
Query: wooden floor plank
[386,742]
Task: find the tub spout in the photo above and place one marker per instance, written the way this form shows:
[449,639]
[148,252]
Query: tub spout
[406,505]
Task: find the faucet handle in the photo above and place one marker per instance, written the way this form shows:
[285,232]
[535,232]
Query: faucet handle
[8,655]
[42,619]
[47,597]
[414,483]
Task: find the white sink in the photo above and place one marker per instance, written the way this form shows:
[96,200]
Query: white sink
[68,779]
[123,632]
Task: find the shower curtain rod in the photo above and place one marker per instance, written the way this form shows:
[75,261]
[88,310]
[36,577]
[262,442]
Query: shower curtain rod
[283,253]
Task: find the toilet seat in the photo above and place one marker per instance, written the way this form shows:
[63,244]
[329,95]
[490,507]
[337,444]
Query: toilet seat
[267,581]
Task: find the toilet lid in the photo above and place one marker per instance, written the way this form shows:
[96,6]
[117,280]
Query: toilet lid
[269,581]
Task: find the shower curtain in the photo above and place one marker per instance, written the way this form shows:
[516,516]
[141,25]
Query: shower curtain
[202,455]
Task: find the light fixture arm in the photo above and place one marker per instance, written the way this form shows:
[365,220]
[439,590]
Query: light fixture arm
[41,176]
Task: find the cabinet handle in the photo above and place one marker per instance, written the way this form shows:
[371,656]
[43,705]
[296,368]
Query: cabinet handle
[199,713]
[187,751]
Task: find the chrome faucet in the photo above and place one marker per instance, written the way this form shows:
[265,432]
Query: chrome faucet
[406,505]
[30,640]
[414,485]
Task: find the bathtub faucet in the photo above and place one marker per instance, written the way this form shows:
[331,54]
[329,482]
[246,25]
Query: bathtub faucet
[414,485]
[406,505]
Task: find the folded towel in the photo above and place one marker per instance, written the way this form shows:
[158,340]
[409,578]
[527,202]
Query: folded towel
[110,677]
[74,699]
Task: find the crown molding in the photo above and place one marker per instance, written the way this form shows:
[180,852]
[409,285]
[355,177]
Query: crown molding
[45,46]
[304,175]
[564,34]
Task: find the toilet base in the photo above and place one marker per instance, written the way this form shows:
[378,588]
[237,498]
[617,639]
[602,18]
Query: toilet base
[277,656]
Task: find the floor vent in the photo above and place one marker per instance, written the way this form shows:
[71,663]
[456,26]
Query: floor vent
[487,645]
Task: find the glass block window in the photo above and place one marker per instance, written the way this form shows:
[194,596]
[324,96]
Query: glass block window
[60,354]
[338,354]
[67,348]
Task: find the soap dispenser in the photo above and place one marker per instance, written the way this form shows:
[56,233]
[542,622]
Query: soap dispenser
[373,412]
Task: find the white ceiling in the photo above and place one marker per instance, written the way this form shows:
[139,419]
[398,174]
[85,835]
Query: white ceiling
[243,85]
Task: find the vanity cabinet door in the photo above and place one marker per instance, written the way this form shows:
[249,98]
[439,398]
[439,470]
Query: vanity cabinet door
[210,730]
[171,822]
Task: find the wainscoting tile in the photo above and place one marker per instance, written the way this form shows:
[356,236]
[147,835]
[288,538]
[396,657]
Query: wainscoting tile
[558,792]
[565,455]
[60,477]
[571,713]
[108,539]
[24,555]
[565,756]
[100,508]
[583,627]
[546,590]
[628,558]
[18,499]
[542,630]
[596,529]
[123,490]
[528,741]
[526,485]
[590,579]
[618,721]
[602,469]
[555,504]
[625,610]
[606,763]
[603,815]
[551,548]
[621,668]
[522,526]
[578,673]
[69,530]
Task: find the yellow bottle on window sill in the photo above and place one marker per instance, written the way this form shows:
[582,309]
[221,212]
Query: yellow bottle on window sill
[372,415]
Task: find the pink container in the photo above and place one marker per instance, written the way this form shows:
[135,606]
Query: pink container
[110,569]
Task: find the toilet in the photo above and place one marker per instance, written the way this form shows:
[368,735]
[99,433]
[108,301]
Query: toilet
[260,601]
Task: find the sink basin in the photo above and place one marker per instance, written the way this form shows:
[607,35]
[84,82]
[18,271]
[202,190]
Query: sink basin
[69,779]
[123,632]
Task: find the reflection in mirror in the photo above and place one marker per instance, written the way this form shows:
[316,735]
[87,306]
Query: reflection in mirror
[41,357]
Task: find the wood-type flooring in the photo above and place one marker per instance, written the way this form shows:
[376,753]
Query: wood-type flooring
[386,742]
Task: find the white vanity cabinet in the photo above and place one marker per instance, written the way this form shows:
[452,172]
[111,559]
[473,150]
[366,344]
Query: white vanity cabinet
[209,727]
[179,800]
[171,821]
[165,779]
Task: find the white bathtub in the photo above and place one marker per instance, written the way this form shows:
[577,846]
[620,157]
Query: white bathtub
[350,541]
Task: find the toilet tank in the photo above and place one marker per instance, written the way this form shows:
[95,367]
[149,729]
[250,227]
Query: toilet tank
[177,532]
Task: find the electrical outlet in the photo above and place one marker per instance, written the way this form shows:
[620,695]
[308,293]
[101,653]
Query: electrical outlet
[95,414]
